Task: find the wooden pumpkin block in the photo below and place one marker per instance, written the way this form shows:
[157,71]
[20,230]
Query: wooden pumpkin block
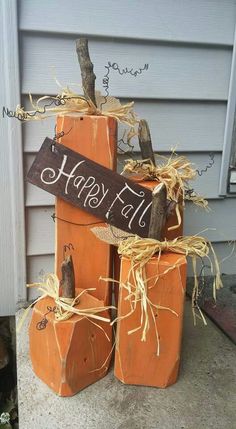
[94,137]
[69,355]
[168,234]
[136,361]
[172,218]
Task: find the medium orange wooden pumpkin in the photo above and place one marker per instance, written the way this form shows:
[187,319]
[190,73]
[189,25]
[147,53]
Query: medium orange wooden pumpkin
[168,234]
[136,361]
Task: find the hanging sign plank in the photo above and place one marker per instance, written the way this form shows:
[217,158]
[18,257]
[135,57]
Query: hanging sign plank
[92,187]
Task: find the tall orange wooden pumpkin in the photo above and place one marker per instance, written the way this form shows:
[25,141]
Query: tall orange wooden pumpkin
[95,138]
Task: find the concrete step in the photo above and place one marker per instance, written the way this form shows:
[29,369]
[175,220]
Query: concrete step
[203,397]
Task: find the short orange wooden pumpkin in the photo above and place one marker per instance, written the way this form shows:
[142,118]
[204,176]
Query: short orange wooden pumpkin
[69,355]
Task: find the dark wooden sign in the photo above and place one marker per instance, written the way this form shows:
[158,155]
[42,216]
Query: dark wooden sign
[96,189]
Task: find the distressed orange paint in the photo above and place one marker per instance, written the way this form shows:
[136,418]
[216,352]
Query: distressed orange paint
[169,235]
[136,362]
[94,137]
[70,355]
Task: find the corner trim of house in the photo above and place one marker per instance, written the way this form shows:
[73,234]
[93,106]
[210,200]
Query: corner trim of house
[229,124]
[12,227]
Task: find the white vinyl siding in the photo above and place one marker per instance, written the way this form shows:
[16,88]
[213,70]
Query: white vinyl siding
[188,45]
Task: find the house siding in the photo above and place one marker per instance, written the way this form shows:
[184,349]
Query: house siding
[183,94]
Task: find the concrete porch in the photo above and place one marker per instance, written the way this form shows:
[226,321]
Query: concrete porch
[203,397]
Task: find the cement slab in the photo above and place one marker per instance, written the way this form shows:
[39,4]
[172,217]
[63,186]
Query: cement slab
[223,311]
[203,397]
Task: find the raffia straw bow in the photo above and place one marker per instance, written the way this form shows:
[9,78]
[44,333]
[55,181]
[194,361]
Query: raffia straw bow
[69,102]
[141,250]
[65,307]
[175,173]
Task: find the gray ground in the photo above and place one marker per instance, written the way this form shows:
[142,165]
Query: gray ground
[204,396]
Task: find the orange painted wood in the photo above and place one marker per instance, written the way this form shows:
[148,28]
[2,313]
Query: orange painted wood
[68,355]
[136,362]
[169,235]
[94,137]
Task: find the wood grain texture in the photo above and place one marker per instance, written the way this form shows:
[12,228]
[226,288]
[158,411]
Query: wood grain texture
[68,278]
[158,212]
[145,141]
[175,72]
[86,68]
[202,21]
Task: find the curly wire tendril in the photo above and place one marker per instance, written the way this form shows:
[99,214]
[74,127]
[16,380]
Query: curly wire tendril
[208,166]
[43,323]
[126,137]
[114,66]
[22,116]
[190,192]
